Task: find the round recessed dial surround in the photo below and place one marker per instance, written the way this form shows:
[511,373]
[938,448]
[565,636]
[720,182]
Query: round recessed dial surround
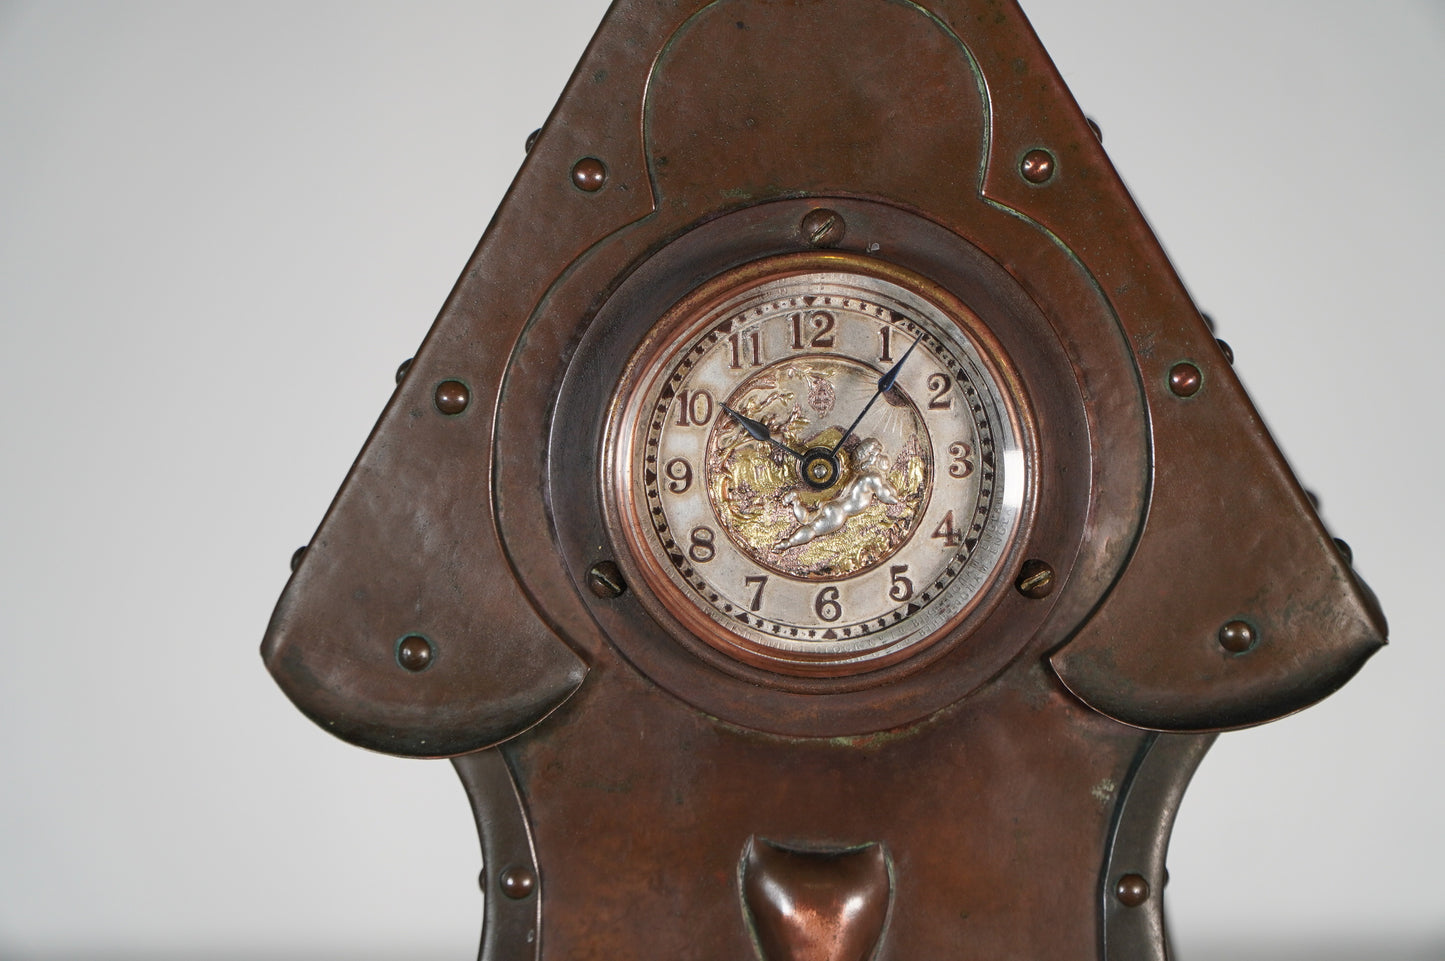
[768,523]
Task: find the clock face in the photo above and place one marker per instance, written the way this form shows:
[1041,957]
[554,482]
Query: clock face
[818,467]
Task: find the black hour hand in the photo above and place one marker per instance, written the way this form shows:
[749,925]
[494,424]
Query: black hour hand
[757,430]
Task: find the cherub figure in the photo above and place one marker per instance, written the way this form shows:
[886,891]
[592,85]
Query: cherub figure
[870,480]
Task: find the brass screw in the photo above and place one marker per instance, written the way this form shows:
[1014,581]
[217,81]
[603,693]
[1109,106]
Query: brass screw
[823,227]
[605,580]
[1036,580]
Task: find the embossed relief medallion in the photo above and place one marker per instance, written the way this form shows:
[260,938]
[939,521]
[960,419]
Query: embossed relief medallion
[786,525]
[819,466]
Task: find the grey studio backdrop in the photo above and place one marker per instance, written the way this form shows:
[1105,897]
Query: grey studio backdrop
[223,225]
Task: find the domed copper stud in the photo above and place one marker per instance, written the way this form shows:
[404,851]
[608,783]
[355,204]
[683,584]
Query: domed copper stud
[1132,891]
[518,882]
[414,653]
[452,397]
[1037,167]
[589,174]
[1345,551]
[1185,379]
[1236,637]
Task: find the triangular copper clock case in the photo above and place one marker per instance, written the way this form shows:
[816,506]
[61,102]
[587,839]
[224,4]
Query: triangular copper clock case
[451,599]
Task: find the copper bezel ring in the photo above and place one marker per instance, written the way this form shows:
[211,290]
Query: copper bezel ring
[682,616]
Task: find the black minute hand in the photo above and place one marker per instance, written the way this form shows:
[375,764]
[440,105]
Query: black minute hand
[885,383]
[759,431]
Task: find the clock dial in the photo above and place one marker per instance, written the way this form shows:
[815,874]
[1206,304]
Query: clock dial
[818,470]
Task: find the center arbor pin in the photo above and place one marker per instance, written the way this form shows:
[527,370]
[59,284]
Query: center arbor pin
[843,540]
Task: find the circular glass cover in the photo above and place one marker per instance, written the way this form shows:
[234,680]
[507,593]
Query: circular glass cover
[818,470]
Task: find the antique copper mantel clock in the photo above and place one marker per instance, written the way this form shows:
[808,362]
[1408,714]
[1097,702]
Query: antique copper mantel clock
[819,526]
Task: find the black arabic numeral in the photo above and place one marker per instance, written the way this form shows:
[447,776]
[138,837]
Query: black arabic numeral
[754,347]
[902,587]
[679,475]
[762,581]
[962,466]
[703,548]
[946,532]
[822,323]
[826,605]
[940,384]
[694,408]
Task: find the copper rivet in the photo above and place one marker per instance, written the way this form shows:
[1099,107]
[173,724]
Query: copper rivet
[1236,637]
[605,580]
[1036,580]
[517,883]
[414,653]
[452,397]
[589,174]
[1313,498]
[1345,551]
[1133,890]
[402,368]
[532,140]
[823,227]
[301,552]
[1037,166]
[1228,350]
[1208,321]
[1185,379]
[1094,126]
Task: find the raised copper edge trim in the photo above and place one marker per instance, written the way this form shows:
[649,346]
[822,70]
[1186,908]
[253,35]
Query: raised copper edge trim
[504,834]
[1138,843]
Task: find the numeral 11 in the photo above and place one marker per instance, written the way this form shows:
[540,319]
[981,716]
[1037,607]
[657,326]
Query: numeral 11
[737,343]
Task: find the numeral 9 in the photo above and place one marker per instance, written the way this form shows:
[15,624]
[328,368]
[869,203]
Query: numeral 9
[679,475]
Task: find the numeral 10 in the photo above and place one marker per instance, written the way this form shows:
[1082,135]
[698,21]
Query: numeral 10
[694,408]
